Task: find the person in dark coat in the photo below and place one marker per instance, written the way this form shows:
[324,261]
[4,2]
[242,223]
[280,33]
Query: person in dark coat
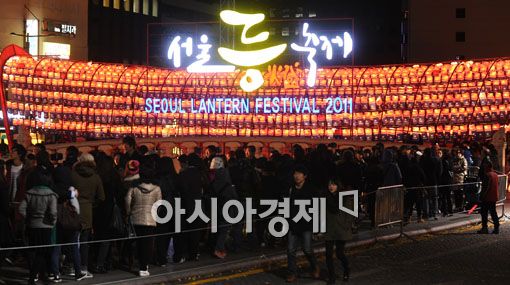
[373,180]
[414,180]
[349,171]
[300,232]
[6,233]
[91,193]
[391,171]
[432,167]
[223,190]
[167,183]
[131,153]
[103,214]
[191,184]
[489,197]
[338,229]
[445,192]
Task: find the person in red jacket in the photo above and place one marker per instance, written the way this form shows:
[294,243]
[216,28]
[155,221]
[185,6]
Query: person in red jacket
[489,197]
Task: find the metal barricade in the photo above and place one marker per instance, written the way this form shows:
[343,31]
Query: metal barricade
[502,188]
[389,207]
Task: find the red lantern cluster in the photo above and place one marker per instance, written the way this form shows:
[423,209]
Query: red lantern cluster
[435,101]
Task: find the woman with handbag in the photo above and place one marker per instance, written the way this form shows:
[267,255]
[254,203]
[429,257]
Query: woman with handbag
[139,201]
[39,209]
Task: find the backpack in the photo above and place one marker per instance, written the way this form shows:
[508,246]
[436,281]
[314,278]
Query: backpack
[67,217]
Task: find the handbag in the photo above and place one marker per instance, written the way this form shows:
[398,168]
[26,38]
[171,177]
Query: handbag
[68,218]
[130,228]
[117,224]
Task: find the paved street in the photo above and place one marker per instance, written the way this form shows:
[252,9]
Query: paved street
[455,257]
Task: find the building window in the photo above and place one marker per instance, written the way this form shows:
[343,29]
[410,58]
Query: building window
[312,15]
[154,8]
[32,30]
[116,4]
[460,36]
[136,6]
[146,7]
[106,3]
[127,6]
[460,13]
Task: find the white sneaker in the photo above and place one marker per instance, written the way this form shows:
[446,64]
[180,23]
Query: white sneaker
[87,274]
[143,273]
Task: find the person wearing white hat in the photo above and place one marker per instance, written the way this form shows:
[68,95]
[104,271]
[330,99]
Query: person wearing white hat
[223,190]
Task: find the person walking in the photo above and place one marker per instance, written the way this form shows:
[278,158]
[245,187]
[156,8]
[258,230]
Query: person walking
[300,231]
[489,197]
[338,230]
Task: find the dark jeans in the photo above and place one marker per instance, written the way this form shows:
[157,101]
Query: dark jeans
[85,236]
[430,202]
[458,194]
[340,254]
[413,197]
[39,258]
[162,243]
[221,235]
[72,251]
[305,238]
[445,196]
[144,245]
[489,207]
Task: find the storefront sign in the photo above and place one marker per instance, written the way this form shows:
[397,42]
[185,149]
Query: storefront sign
[313,45]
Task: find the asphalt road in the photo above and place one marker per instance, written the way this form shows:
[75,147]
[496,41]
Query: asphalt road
[455,257]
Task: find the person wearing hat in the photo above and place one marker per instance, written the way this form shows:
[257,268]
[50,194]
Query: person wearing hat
[300,232]
[223,190]
[85,179]
[139,201]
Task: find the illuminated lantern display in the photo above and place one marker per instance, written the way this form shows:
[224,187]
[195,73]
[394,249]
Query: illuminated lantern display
[445,101]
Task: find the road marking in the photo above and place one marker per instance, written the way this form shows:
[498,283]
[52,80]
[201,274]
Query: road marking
[227,277]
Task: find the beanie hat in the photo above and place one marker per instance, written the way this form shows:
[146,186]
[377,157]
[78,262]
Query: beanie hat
[133,167]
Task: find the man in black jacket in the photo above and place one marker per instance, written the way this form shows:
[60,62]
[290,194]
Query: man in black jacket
[300,231]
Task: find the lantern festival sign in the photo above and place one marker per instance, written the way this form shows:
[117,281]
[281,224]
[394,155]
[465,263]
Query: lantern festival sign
[252,79]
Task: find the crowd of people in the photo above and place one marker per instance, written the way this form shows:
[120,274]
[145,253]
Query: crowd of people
[44,202]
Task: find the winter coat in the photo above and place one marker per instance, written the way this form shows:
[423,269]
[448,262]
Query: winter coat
[39,208]
[90,188]
[459,168]
[139,201]
[222,187]
[415,176]
[62,176]
[338,222]
[6,236]
[103,213]
[446,174]
[432,167]
[191,186]
[391,171]
[490,194]
[350,174]
[305,193]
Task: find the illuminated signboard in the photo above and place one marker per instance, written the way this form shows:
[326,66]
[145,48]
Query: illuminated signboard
[312,45]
